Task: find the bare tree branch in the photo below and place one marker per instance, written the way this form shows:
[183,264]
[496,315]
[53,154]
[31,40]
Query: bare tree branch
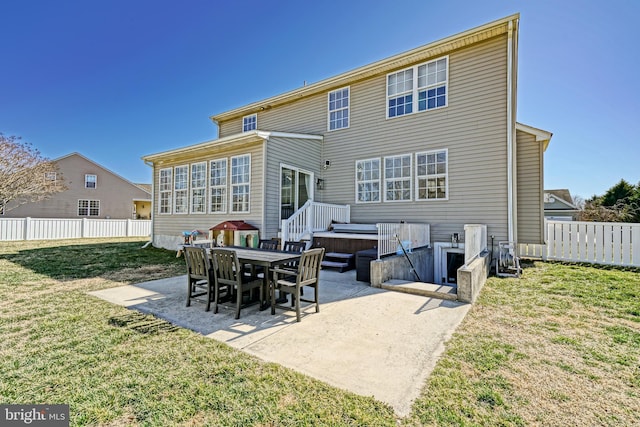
[25,176]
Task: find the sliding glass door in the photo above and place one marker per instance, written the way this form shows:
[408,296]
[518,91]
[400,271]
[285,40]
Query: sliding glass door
[296,187]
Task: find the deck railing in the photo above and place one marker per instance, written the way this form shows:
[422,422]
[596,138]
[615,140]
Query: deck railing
[412,236]
[311,217]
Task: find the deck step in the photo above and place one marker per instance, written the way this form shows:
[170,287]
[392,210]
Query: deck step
[334,264]
[339,260]
[338,255]
[431,290]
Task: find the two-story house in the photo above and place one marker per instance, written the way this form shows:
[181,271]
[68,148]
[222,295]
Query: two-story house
[93,191]
[425,136]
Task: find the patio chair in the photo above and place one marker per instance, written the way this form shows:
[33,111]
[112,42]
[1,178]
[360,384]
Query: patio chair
[297,247]
[268,244]
[228,274]
[307,274]
[200,279]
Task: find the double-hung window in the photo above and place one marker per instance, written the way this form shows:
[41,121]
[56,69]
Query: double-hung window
[368,181]
[199,187]
[165,190]
[88,207]
[397,178]
[181,189]
[218,186]
[400,93]
[419,88]
[339,109]
[240,177]
[90,181]
[431,175]
[249,123]
[432,85]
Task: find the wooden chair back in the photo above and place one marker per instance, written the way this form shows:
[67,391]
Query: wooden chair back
[268,244]
[227,267]
[197,262]
[294,246]
[309,266]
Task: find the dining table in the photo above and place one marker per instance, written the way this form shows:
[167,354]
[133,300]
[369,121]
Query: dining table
[267,259]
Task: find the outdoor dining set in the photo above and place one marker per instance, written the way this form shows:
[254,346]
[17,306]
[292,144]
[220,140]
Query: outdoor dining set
[236,274]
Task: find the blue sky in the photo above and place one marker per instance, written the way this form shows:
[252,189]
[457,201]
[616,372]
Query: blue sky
[119,79]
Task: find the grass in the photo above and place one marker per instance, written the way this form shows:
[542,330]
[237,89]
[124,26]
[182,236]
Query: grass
[560,346]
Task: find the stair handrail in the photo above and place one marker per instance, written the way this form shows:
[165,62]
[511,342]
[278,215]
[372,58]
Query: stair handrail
[311,217]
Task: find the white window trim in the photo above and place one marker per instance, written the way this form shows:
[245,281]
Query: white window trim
[357,201]
[295,190]
[385,179]
[244,124]
[329,110]
[224,186]
[193,188]
[415,90]
[169,191]
[446,176]
[175,190]
[232,185]
[86,175]
[88,215]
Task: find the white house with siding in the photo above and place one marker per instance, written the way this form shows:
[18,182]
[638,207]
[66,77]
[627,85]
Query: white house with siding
[426,136]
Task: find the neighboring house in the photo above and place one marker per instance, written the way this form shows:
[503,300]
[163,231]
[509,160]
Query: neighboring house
[426,136]
[92,192]
[559,206]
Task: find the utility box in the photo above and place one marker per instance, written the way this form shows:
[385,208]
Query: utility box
[235,233]
[363,264]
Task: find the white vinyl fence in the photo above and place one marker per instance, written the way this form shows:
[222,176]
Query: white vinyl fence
[61,228]
[610,243]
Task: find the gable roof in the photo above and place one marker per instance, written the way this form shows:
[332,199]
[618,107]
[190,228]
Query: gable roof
[561,196]
[437,48]
[541,135]
[102,167]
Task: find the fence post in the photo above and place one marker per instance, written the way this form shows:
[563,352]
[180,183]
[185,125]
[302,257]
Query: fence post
[83,227]
[128,232]
[27,226]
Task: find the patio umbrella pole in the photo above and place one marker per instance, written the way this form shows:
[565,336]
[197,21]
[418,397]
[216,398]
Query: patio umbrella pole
[408,259]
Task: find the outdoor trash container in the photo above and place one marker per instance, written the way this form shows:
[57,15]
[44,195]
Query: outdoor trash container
[363,259]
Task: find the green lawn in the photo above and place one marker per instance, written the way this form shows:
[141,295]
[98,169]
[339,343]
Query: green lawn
[560,346]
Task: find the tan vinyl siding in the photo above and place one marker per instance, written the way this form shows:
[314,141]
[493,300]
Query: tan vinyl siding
[299,153]
[233,127]
[174,225]
[308,115]
[530,192]
[116,195]
[473,128]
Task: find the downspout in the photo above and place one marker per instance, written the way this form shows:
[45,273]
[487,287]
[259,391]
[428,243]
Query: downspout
[153,196]
[511,140]
[264,188]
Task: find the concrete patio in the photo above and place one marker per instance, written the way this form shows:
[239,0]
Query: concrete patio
[370,341]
